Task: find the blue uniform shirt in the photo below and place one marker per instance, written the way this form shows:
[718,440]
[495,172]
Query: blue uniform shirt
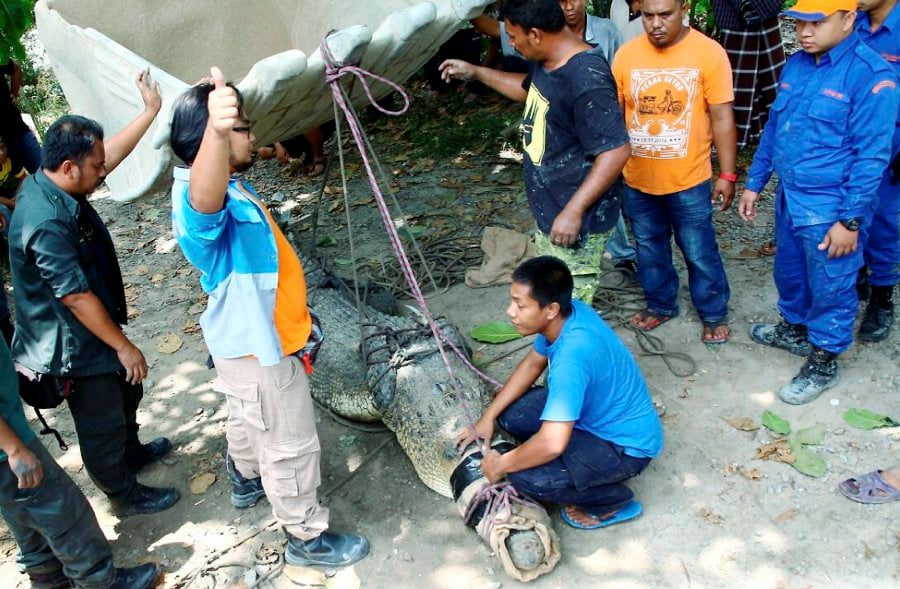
[886,42]
[827,136]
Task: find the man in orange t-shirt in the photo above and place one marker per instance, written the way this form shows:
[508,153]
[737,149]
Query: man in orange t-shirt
[675,89]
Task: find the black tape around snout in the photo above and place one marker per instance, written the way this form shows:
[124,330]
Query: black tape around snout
[469,471]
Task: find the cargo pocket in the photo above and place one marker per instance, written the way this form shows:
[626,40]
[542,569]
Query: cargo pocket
[293,466]
[244,396]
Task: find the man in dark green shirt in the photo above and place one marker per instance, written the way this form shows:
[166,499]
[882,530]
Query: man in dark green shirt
[59,539]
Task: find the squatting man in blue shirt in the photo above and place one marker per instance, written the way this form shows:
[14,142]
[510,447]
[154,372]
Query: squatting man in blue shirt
[829,140]
[591,427]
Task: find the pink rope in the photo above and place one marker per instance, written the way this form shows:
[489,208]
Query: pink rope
[333,73]
[500,498]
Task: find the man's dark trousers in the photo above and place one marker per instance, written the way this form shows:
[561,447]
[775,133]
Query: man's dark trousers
[588,474]
[54,526]
[104,408]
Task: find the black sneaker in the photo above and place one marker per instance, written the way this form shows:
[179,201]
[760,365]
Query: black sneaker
[326,550]
[879,317]
[784,335]
[145,500]
[628,269]
[147,454]
[244,492]
[818,374]
[55,580]
[140,577]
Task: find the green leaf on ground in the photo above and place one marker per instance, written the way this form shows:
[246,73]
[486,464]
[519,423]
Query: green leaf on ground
[496,332]
[865,419]
[811,436]
[807,461]
[777,424]
[413,231]
[342,261]
[326,241]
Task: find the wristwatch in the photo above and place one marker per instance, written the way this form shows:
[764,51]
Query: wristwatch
[851,224]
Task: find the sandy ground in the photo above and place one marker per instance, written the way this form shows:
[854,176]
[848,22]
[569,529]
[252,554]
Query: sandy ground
[715,516]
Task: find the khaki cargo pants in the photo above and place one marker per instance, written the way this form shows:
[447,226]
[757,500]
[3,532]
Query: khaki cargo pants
[272,434]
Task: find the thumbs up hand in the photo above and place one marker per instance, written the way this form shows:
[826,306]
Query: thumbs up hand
[223,105]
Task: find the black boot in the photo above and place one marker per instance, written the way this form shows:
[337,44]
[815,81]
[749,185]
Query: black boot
[147,454]
[139,577]
[145,500]
[326,550]
[818,374]
[784,335]
[879,317]
[863,289]
[54,580]
[244,492]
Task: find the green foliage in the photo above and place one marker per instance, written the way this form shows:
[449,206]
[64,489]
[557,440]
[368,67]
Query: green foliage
[865,419]
[775,423]
[810,436]
[16,17]
[807,461]
[496,332]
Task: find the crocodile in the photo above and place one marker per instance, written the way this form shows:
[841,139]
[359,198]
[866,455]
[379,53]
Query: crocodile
[399,377]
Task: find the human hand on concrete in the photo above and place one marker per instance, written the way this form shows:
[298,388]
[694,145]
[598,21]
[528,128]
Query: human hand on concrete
[747,205]
[839,241]
[149,91]
[456,69]
[27,468]
[134,362]
[223,105]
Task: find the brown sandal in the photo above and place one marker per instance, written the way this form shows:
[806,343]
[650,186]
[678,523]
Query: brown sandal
[639,321]
[711,329]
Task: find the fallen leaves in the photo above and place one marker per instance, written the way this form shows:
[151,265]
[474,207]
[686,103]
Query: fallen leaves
[775,423]
[745,424]
[202,482]
[169,344]
[779,450]
[865,419]
[710,517]
[786,516]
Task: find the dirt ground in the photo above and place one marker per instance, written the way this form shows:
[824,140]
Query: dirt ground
[715,515]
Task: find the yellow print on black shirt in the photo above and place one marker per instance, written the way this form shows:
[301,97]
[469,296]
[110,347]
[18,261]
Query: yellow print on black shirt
[534,125]
[660,125]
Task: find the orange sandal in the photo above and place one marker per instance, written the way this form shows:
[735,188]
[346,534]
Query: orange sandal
[713,335]
[647,320]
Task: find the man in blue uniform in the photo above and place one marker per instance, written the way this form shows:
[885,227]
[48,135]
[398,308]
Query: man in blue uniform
[829,141]
[878,24]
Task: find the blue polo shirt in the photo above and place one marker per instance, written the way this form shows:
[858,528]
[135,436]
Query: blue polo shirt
[594,381]
[827,137]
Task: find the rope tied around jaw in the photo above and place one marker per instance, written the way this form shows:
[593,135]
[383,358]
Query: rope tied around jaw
[499,499]
[333,74]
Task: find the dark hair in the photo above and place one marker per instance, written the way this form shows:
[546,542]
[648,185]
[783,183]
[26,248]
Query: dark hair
[545,15]
[189,116]
[550,282]
[71,137]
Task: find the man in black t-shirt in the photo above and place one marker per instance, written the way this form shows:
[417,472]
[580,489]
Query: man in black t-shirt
[575,142]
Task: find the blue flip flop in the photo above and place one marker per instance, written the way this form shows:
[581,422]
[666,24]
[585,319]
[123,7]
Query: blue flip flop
[631,510]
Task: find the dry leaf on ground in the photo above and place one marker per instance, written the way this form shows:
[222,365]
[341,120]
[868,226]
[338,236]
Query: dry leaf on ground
[711,517]
[779,450]
[191,327]
[202,482]
[752,474]
[745,424]
[168,344]
[786,516]
[304,575]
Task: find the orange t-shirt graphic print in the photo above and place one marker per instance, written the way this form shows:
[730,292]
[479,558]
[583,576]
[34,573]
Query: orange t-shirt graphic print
[660,126]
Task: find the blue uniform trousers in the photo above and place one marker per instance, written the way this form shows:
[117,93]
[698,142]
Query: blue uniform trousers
[880,236]
[589,473]
[813,290]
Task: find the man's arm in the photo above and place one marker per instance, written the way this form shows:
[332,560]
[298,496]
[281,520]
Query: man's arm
[508,84]
[211,168]
[725,139]
[88,309]
[122,143]
[547,444]
[525,374]
[22,461]
[15,80]
[604,171]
